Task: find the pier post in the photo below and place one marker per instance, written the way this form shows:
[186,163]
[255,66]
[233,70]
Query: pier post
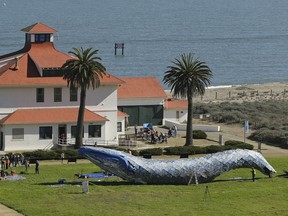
[119,46]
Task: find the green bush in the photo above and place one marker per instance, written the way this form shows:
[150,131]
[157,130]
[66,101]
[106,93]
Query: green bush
[238,144]
[245,146]
[199,134]
[213,148]
[41,154]
[152,151]
[68,153]
[233,143]
[51,154]
[279,138]
[178,150]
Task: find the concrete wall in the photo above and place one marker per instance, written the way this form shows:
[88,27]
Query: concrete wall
[31,139]
[170,114]
[103,98]
[182,127]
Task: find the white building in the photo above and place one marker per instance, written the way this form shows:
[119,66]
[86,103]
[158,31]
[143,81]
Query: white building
[143,99]
[37,107]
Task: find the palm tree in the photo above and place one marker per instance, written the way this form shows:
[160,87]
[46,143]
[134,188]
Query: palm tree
[188,77]
[82,72]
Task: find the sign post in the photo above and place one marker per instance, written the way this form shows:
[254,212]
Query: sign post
[246,129]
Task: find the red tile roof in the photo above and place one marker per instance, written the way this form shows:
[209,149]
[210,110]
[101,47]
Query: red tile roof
[46,56]
[38,55]
[176,104]
[120,113]
[141,87]
[39,28]
[49,116]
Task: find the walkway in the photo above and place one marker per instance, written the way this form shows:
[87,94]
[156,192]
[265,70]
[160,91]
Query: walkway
[4,210]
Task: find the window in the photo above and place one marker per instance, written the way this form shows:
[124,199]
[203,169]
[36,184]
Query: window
[73,131]
[40,95]
[42,38]
[119,126]
[28,37]
[57,94]
[94,131]
[73,94]
[45,132]
[17,133]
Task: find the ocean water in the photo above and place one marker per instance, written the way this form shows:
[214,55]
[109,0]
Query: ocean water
[243,42]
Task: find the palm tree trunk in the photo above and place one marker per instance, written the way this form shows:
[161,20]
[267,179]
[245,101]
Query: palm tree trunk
[80,121]
[189,129]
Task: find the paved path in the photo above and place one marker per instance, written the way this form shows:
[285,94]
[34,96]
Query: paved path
[4,210]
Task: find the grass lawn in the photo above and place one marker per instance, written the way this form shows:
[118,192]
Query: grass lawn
[227,195]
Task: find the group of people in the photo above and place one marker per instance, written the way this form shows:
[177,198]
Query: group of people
[157,137]
[9,161]
[12,160]
[153,136]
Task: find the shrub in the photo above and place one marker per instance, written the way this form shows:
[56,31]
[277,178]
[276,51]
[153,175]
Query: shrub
[238,144]
[279,138]
[216,148]
[68,153]
[175,150]
[232,143]
[199,134]
[245,146]
[152,151]
[51,154]
[41,154]
[178,150]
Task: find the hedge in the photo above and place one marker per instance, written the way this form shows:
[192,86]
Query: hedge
[152,151]
[51,154]
[199,134]
[238,144]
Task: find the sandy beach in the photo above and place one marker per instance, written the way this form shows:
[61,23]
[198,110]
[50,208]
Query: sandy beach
[240,93]
[253,92]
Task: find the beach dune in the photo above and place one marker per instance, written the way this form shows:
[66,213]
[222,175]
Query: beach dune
[241,93]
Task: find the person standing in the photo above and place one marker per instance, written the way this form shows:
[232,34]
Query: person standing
[37,167]
[174,128]
[253,172]
[135,130]
[26,164]
[62,157]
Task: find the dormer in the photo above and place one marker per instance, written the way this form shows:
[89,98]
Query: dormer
[39,33]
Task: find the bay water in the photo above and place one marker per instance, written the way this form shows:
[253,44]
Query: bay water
[243,42]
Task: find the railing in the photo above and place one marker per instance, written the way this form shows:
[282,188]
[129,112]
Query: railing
[49,146]
[87,142]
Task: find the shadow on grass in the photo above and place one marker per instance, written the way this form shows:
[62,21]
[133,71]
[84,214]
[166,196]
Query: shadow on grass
[91,182]
[239,179]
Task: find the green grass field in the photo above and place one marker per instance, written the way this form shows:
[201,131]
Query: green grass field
[227,195]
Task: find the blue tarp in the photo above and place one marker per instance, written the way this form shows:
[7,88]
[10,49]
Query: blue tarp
[147,125]
[93,175]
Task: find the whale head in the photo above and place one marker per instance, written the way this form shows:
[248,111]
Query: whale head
[116,162]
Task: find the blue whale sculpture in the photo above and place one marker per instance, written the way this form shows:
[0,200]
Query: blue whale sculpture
[179,171]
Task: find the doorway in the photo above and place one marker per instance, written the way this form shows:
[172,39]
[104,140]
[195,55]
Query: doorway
[1,142]
[177,115]
[62,134]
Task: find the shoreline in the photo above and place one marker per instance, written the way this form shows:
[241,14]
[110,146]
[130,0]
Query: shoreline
[245,92]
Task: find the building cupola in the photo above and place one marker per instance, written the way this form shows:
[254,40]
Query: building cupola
[39,33]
